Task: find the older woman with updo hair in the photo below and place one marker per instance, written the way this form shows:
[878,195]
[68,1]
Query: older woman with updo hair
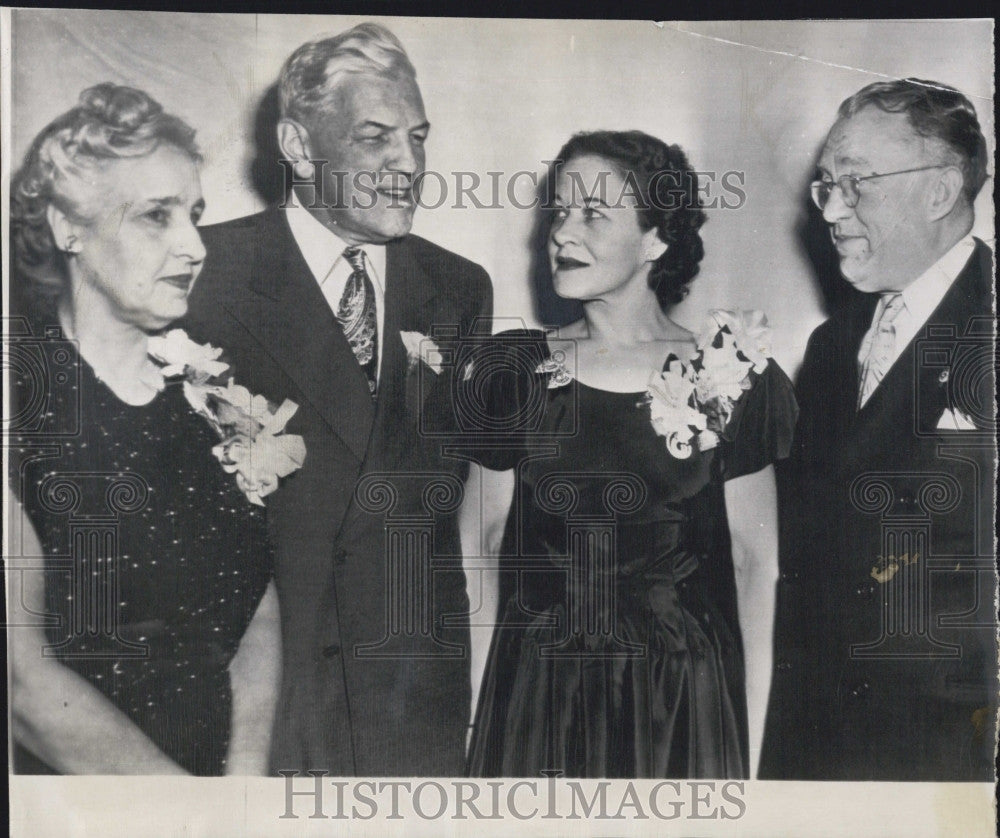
[629,493]
[156,652]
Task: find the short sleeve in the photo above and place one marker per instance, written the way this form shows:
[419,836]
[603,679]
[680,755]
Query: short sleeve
[500,396]
[762,426]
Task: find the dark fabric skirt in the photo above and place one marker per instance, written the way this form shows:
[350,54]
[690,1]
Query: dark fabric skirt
[659,695]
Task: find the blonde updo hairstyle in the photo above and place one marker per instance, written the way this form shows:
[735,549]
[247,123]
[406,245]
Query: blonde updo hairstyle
[64,166]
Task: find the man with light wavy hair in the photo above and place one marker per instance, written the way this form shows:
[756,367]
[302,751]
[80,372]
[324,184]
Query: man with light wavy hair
[316,297]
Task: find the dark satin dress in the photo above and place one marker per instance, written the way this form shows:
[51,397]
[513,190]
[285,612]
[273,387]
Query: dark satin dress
[154,560]
[617,650]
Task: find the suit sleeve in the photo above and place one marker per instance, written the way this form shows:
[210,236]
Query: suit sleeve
[481,320]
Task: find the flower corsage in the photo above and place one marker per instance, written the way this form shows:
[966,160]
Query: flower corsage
[690,404]
[253,444]
[419,348]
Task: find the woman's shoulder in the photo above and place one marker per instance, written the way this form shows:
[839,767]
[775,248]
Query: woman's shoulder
[511,359]
[522,333]
[738,379]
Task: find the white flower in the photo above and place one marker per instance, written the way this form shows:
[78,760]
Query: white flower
[233,394]
[707,440]
[253,445]
[674,386]
[749,330]
[955,420]
[723,375]
[419,348]
[197,396]
[261,462]
[261,459]
[670,408]
[179,354]
[691,405]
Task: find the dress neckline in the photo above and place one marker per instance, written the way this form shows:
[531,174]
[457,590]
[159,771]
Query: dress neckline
[118,400]
[633,393]
[585,385]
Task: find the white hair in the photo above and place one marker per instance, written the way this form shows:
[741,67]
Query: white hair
[312,73]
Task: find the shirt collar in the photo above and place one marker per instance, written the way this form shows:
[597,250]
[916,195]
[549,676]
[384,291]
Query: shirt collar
[321,247]
[927,290]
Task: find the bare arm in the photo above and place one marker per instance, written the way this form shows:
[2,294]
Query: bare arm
[56,713]
[481,522]
[751,506]
[254,673]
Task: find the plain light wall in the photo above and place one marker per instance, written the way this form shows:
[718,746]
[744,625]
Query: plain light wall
[504,95]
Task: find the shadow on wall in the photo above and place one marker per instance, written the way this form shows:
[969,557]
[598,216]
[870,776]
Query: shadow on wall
[550,308]
[266,173]
[813,235]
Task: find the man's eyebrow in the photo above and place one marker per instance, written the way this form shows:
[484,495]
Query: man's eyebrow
[594,199]
[372,123]
[382,126]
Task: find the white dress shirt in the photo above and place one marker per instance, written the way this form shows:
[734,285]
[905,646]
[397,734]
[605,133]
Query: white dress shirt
[323,251]
[922,296]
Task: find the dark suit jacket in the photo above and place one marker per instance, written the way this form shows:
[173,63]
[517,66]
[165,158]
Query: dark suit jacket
[368,566]
[885,651]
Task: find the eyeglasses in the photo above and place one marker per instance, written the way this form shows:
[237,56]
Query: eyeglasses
[848,186]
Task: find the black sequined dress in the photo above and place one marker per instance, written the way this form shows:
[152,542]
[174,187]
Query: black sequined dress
[154,560]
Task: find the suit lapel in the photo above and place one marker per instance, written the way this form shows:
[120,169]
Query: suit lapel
[908,376]
[410,296]
[860,318]
[286,311]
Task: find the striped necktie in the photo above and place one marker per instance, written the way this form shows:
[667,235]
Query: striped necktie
[357,316]
[877,348]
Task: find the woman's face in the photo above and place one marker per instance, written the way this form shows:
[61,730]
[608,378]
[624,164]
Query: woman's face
[142,251]
[596,245]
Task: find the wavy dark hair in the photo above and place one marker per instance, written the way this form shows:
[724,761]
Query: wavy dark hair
[666,191]
[110,122]
[936,111]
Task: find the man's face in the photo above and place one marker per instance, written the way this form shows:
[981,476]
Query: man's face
[373,140]
[883,241]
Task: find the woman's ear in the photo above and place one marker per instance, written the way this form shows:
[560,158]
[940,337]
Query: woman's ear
[64,231]
[293,140]
[653,246]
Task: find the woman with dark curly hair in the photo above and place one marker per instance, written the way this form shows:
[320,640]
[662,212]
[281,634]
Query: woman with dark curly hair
[628,488]
[156,564]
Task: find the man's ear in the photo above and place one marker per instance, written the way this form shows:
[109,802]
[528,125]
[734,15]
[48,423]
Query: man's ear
[947,190]
[295,145]
[65,233]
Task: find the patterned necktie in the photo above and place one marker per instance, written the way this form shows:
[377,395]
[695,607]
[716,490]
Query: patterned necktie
[358,318]
[877,349]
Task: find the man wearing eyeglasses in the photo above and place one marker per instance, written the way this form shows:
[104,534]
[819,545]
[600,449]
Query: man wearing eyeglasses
[886,658]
